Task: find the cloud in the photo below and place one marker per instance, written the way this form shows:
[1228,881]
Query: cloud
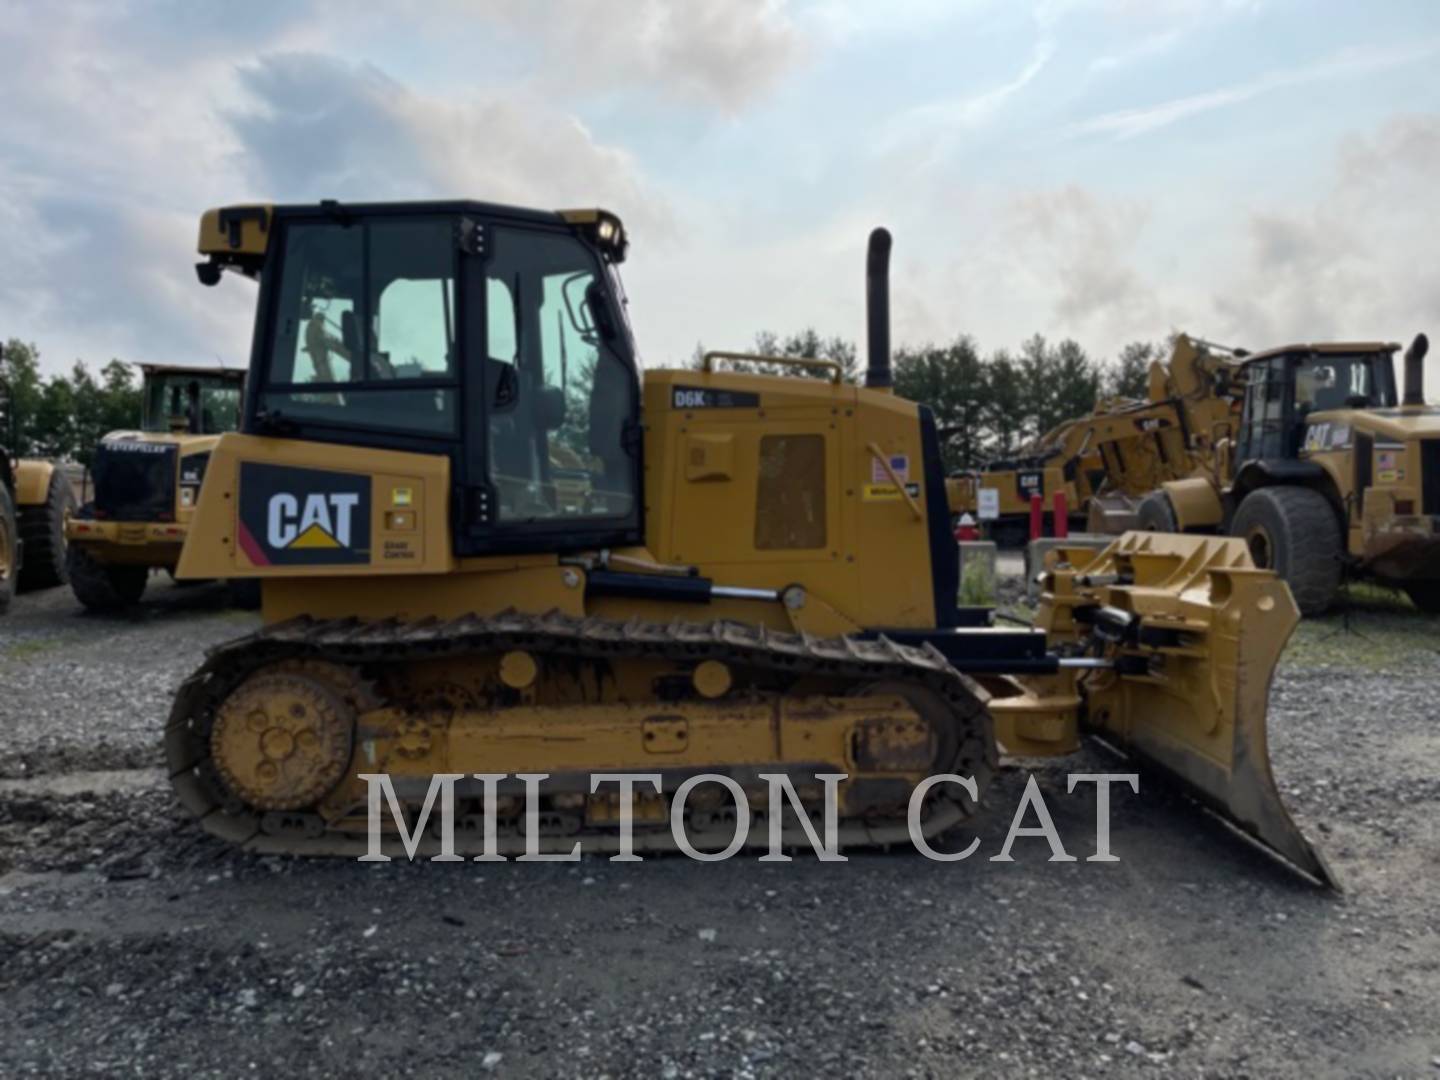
[942,119]
[1356,263]
[724,53]
[115,139]
[1130,123]
[1147,48]
[314,126]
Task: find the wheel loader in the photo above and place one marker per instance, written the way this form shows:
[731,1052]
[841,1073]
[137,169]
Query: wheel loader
[147,485]
[35,499]
[1107,461]
[1328,474]
[1064,460]
[738,594]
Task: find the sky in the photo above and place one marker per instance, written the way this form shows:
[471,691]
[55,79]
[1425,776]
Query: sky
[1254,172]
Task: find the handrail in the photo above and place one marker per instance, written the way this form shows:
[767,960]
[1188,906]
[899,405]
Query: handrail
[837,373]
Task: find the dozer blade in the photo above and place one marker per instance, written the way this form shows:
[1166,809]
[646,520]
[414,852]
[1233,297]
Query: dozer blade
[1194,631]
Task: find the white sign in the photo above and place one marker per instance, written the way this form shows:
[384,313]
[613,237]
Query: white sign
[988,505]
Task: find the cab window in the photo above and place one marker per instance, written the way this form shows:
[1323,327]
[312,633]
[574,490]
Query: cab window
[364,332]
[557,396]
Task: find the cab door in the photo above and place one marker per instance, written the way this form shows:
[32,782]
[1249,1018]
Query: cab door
[552,432]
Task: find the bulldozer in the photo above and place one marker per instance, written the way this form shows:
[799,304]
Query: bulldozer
[737,596]
[1328,474]
[36,497]
[147,485]
[1107,461]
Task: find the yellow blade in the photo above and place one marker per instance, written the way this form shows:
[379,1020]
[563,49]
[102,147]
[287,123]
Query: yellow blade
[1196,632]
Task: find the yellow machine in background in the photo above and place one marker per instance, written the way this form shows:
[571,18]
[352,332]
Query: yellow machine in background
[1328,473]
[1107,461]
[1063,461]
[35,499]
[759,579]
[147,484]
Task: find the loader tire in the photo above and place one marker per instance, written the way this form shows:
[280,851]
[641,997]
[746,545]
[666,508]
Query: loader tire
[1155,514]
[1425,595]
[42,528]
[102,587]
[9,547]
[1294,531]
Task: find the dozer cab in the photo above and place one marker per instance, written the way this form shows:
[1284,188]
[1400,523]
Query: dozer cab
[147,484]
[759,579]
[1327,474]
[35,499]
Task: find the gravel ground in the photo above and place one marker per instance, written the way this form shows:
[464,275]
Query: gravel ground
[132,944]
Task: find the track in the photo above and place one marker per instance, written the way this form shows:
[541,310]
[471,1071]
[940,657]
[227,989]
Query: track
[368,648]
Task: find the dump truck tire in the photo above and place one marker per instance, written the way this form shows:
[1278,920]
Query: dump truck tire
[243,593]
[9,547]
[1425,595]
[1155,514]
[104,588]
[42,528]
[1294,531]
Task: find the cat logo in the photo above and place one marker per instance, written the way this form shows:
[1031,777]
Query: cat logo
[303,517]
[323,523]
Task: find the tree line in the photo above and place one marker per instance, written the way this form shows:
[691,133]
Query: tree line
[987,407]
[62,416]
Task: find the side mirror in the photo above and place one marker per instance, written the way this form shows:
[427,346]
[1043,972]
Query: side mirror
[600,311]
[550,408]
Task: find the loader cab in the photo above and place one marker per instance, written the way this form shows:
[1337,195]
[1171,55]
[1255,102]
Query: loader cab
[190,401]
[1284,387]
[493,336]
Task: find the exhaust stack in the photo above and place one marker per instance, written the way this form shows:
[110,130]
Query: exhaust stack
[878,375]
[1415,370]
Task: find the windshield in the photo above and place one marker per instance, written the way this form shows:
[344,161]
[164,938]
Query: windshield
[1340,381]
[195,403]
[365,333]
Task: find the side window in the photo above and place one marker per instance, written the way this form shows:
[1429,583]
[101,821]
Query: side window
[364,308]
[412,301]
[415,329]
[558,396]
[320,289]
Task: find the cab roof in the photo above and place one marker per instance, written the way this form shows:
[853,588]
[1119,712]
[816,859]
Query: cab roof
[238,374]
[1334,348]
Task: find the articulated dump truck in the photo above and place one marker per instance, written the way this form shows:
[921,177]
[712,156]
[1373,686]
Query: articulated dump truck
[735,593]
[1107,461]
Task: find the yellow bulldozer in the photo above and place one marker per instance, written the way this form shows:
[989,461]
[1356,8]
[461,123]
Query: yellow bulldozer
[147,484]
[1107,461]
[36,497]
[1328,474]
[760,580]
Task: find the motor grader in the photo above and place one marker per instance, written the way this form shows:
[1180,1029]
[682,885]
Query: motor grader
[738,594]
[147,485]
[35,498]
[1328,474]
